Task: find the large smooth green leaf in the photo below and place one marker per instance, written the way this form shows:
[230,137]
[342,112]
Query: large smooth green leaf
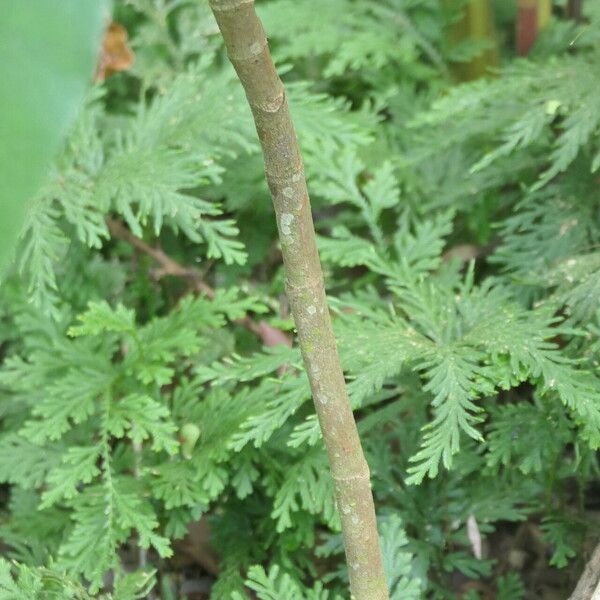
[48,49]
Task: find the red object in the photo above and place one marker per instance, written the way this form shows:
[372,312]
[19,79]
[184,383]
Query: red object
[527,28]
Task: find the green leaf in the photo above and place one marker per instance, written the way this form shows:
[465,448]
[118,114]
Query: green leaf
[100,317]
[278,584]
[307,485]
[134,585]
[49,49]
[24,463]
[79,466]
[140,417]
[510,587]
[398,562]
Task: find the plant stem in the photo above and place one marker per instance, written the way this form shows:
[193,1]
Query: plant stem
[588,586]
[248,51]
[169,266]
[475,25]
[532,17]
[575,10]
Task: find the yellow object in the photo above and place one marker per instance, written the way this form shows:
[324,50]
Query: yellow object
[544,13]
[477,25]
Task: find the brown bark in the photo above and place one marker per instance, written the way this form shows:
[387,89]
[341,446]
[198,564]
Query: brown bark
[532,17]
[588,587]
[575,10]
[248,51]
[526,26]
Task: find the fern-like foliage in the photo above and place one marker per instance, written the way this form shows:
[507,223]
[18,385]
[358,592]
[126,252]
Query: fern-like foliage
[518,111]
[457,226]
[274,584]
[18,582]
[356,35]
[103,415]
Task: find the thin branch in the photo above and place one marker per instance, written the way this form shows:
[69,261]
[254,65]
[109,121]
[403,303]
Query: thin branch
[248,51]
[588,586]
[167,264]
[170,267]
[575,10]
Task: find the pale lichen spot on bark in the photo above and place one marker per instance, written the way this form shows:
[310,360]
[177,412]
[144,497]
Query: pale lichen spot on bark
[249,53]
[273,105]
[288,192]
[285,222]
[312,310]
[256,48]
[316,372]
[322,398]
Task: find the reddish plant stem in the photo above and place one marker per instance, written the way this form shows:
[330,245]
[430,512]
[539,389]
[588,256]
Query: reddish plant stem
[168,266]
